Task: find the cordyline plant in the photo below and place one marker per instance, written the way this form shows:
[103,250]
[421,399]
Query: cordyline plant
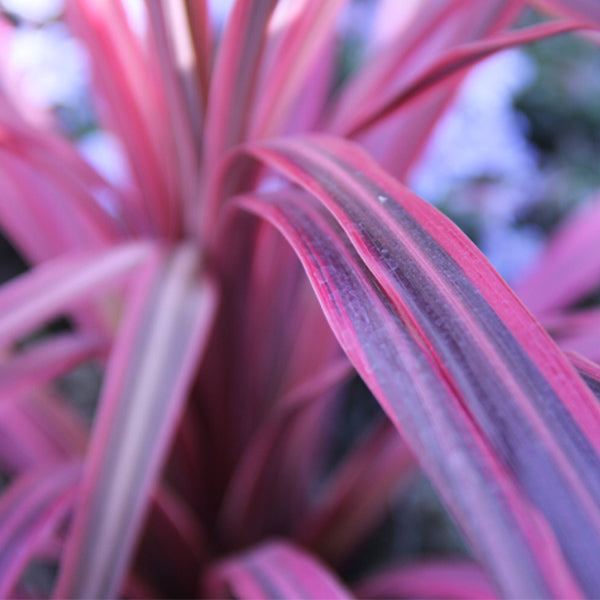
[263,251]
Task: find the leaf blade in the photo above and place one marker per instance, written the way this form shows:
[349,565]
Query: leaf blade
[150,370]
[527,421]
[274,570]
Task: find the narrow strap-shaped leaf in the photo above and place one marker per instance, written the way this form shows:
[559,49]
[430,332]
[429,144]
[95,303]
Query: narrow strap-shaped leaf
[445,580]
[235,75]
[150,369]
[588,10]
[412,392]
[571,256]
[589,371]
[233,82]
[31,510]
[202,38]
[52,288]
[450,65]
[46,210]
[37,429]
[177,60]
[429,33]
[434,29]
[303,35]
[171,524]
[578,331]
[273,571]
[124,73]
[498,370]
[266,480]
[344,514]
[45,361]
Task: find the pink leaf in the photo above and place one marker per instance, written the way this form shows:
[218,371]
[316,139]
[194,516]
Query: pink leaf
[587,10]
[444,580]
[56,286]
[148,376]
[407,293]
[571,256]
[235,76]
[125,75]
[274,570]
[45,361]
[450,65]
[301,40]
[31,510]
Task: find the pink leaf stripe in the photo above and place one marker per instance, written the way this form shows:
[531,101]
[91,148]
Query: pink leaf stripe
[274,570]
[235,75]
[420,41]
[149,371]
[174,46]
[303,37]
[387,351]
[125,76]
[200,25]
[37,429]
[56,286]
[588,10]
[589,371]
[45,361]
[31,511]
[444,580]
[572,256]
[481,379]
[577,330]
[397,141]
[451,64]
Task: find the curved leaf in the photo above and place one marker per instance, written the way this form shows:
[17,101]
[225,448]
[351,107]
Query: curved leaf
[30,511]
[149,372]
[571,256]
[444,580]
[449,65]
[276,571]
[485,394]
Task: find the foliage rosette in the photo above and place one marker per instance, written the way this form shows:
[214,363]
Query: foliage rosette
[263,251]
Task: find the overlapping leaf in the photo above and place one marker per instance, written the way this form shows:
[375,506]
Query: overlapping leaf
[455,360]
[274,570]
[148,376]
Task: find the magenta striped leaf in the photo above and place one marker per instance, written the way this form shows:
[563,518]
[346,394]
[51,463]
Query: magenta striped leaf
[268,480]
[450,65]
[125,77]
[202,40]
[148,375]
[571,256]
[445,580]
[55,287]
[235,75]
[31,511]
[576,330]
[37,429]
[274,570]
[45,361]
[407,293]
[305,28]
[589,371]
[418,41]
[588,10]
